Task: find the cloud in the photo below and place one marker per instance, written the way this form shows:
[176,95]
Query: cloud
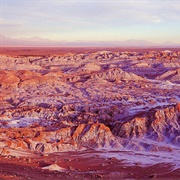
[9,24]
[84,18]
[131,11]
[6,25]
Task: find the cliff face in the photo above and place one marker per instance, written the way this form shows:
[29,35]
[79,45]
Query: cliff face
[161,124]
[162,120]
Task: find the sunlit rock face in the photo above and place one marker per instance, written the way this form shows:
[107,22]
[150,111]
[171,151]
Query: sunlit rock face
[161,124]
[171,75]
[80,137]
[99,100]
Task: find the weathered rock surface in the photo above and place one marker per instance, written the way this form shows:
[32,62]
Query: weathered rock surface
[117,74]
[172,76]
[63,139]
[106,99]
[161,124]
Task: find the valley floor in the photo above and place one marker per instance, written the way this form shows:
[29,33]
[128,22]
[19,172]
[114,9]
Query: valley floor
[80,165]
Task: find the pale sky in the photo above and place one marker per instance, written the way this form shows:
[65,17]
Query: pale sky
[93,20]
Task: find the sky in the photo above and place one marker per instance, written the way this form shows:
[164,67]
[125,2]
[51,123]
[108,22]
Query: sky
[91,20]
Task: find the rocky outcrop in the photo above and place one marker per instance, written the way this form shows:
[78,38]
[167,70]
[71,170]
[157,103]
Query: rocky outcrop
[159,124]
[8,79]
[142,132]
[171,75]
[89,67]
[64,139]
[117,74]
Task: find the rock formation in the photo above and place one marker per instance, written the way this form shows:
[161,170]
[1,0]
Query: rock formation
[100,100]
[171,75]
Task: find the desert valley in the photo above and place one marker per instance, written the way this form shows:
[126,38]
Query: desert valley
[92,113]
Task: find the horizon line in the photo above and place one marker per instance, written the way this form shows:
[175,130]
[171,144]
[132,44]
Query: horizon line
[85,41]
[135,47]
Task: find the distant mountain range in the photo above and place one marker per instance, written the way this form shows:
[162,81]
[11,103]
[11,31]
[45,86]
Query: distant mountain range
[41,42]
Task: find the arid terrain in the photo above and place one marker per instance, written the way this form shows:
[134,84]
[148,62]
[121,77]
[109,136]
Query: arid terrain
[90,113]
